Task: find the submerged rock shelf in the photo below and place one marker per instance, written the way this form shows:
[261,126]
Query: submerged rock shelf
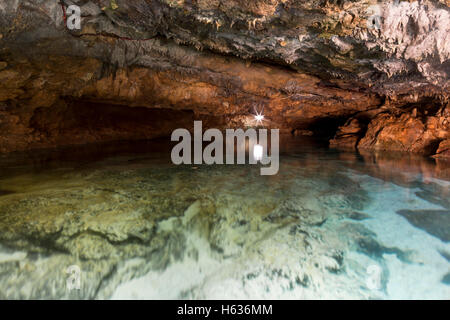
[139,228]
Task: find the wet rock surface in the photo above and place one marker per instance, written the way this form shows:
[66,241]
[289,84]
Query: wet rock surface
[434,222]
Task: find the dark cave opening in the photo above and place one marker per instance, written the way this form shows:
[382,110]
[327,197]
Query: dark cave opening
[426,106]
[80,121]
[326,128]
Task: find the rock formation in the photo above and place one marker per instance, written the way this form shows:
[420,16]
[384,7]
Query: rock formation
[137,69]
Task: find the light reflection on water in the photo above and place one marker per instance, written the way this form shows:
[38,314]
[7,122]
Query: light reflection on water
[330,225]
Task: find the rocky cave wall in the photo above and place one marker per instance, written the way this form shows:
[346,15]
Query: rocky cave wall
[368,74]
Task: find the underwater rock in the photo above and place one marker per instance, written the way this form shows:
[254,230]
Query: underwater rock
[446,279]
[138,227]
[44,277]
[435,193]
[359,216]
[130,219]
[373,248]
[434,222]
[445,254]
[439,198]
[364,241]
[311,65]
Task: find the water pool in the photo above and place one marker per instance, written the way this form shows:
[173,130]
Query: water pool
[329,225]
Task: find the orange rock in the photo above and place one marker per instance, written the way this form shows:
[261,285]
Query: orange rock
[443,150]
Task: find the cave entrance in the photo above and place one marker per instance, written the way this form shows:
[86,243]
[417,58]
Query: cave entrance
[81,122]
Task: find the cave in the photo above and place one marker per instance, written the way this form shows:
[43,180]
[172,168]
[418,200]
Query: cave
[224,150]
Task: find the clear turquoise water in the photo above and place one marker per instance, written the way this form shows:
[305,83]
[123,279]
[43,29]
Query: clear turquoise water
[330,225]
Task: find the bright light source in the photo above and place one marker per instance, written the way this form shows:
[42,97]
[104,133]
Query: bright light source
[258,152]
[259,117]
